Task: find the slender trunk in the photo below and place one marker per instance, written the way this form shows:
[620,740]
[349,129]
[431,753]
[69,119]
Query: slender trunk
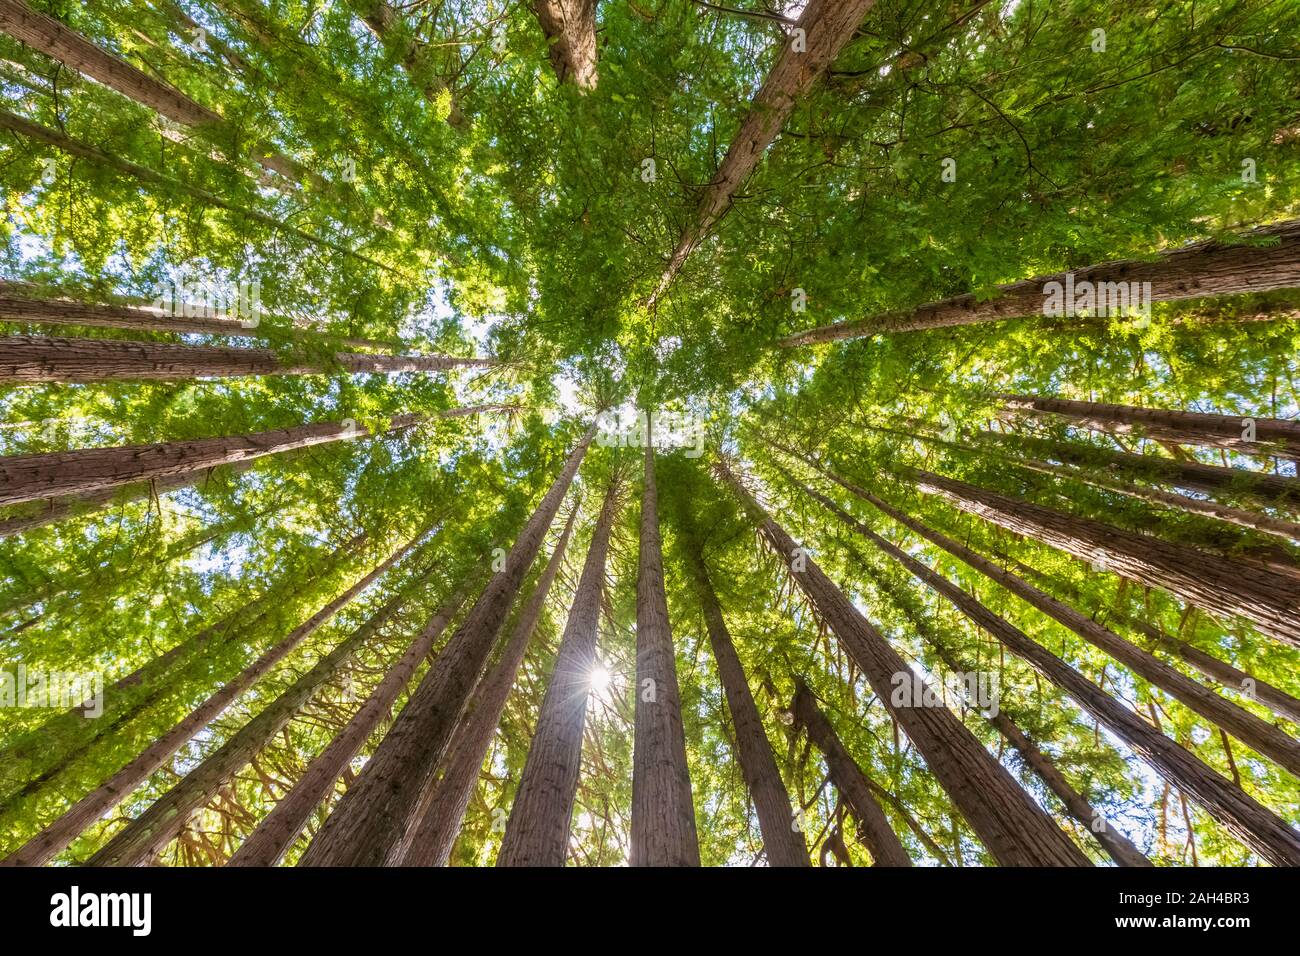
[821,31]
[1205,269]
[93,471]
[1016,830]
[873,826]
[537,832]
[445,807]
[25,359]
[1256,826]
[570,28]
[374,822]
[783,844]
[1118,846]
[1270,601]
[15,307]
[663,815]
[148,834]
[1245,726]
[268,843]
[383,21]
[1245,434]
[58,835]
[35,759]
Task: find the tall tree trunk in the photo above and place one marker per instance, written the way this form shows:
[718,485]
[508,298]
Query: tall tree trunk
[1224,714]
[31,310]
[1205,269]
[663,815]
[537,831]
[783,844]
[1118,846]
[268,843]
[816,39]
[56,837]
[1016,830]
[36,758]
[570,28]
[873,826]
[1256,826]
[91,471]
[445,807]
[383,21]
[148,834]
[375,821]
[70,48]
[1277,491]
[1270,601]
[25,359]
[1240,433]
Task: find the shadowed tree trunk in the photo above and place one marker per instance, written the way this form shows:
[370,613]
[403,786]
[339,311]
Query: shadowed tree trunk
[873,826]
[782,843]
[445,809]
[1224,714]
[385,23]
[1256,826]
[25,359]
[1205,269]
[570,28]
[816,39]
[1240,433]
[92,471]
[1269,601]
[148,834]
[663,815]
[1016,830]
[56,837]
[374,822]
[537,832]
[268,843]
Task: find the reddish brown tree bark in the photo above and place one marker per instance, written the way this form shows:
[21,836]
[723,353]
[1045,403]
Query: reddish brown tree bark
[1205,269]
[537,831]
[570,28]
[375,821]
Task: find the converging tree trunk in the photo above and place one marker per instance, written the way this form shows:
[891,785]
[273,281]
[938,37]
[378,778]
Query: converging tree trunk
[1016,830]
[268,843]
[56,837]
[663,815]
[873,826]
[1204,269]
[537,831]
[374,822]
[445,807]
[385,23]
[570,28]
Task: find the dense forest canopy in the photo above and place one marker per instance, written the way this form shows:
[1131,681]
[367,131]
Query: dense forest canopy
[666,432]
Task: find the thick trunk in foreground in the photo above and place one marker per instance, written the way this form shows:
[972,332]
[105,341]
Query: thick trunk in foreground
[873,826]
[1254,825]
[783,844]
[1224,714]
[375,821]
[1016,830]
[1269,601]
[537,831]
[58,835]
[1245,434]
[148,834]
[36,758]
[663,815]
[822,30]
[26,359]
[570,28]
[1205,269]
[93,471]
[268,843]
[1117,846]
[445,807]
